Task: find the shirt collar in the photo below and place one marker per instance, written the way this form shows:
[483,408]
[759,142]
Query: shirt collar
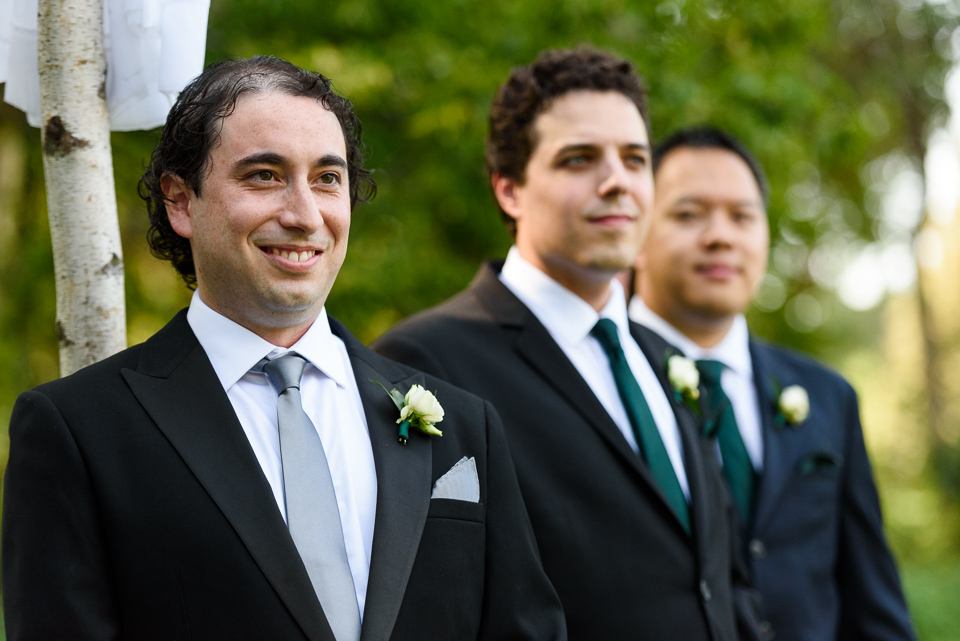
[234,350]
[733,351]
[565,315]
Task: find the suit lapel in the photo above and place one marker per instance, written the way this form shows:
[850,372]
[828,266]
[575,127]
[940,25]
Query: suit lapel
[688,425]
[403,487]
[177,386]
[779,457]
[536,346]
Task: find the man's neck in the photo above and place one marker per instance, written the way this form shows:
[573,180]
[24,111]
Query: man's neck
[705,332]
[592,286]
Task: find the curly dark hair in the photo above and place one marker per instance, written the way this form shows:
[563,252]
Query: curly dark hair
[531,89]
[193,128]
[706,137]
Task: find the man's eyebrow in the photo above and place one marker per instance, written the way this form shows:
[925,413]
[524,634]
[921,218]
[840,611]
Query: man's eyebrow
[263,158]
[274,159]
[696,200]
[331,160]
[590,147]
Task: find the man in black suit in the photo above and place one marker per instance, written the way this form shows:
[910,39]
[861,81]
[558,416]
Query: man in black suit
[239,475]
[632,527]
[788,429]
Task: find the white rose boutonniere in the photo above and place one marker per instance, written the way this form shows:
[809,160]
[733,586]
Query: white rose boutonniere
[793,406]
[419,408]
[684,378]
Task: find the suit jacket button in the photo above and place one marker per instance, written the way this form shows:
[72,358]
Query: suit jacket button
[765,630]
[757,549]
[705,590]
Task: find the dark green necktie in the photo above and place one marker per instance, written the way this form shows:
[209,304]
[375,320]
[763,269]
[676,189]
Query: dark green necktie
[641,421]
[737,467]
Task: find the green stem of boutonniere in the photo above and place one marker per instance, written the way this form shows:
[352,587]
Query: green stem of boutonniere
[403,433]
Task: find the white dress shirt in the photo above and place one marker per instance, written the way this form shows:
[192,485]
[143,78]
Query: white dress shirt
[569,319]
[736,379]
[331,400]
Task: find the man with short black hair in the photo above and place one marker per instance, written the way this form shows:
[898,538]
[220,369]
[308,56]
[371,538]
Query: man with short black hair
[239,475]
[627,506]
[787,429]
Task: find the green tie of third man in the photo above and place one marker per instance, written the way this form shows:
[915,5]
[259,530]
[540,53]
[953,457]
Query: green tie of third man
[737,467]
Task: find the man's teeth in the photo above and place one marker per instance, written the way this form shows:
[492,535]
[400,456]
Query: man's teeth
[294,256]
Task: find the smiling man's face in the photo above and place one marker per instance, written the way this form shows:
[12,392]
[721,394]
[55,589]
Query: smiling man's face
[709,238]
[269,230]
[582,209]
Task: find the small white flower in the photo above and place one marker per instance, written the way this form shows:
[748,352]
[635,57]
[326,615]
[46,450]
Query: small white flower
[794,404]
[422,404]
[419,409]
[684,376]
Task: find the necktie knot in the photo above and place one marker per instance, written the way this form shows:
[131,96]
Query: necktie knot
[605,331]
[285,372]
[710,370]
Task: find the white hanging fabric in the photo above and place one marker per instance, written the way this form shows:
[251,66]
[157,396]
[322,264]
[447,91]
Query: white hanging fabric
[154,48]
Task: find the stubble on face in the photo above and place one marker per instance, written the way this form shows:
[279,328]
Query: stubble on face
[581,211]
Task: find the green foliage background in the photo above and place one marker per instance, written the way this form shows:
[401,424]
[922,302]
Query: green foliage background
[816,89]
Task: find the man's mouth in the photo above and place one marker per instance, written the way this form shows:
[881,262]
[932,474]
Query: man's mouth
[717,270]
[295,256]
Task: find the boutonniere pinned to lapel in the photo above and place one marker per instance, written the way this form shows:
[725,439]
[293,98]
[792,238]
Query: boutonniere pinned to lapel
[793,406]
[419,408]
[684,378]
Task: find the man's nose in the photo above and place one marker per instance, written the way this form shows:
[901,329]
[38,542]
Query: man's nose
[301,208]
[616,180]
[719,228]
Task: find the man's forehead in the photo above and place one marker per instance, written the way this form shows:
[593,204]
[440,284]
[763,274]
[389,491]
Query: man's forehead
[591,115]
[707,173]
[265,119]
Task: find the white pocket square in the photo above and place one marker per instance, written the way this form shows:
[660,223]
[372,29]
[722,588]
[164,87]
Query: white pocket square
[460,483]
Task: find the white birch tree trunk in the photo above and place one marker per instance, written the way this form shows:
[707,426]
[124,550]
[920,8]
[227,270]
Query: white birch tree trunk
[81,200]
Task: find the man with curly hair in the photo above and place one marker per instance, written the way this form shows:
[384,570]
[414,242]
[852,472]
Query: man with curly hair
[239,475]
[630,514]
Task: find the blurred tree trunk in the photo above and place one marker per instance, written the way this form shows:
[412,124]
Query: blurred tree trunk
[82,205]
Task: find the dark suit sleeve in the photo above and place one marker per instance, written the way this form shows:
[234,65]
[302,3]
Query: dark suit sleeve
[873,605]
[519,601]
[56,582]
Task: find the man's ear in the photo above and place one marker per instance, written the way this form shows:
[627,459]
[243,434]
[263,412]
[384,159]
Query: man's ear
[506,190]
[179,202]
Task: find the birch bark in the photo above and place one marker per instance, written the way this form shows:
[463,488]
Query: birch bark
[81,200]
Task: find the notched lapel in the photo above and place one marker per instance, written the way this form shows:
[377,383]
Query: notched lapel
[689,426]
[192,410]
[781,453]
[403,488]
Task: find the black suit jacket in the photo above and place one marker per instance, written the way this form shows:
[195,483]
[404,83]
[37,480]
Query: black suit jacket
[616,553]
[816,545]
[135,508]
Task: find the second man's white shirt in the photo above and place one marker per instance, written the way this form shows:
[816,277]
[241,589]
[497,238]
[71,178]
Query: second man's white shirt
[737,378]
[569,319]
[331,400]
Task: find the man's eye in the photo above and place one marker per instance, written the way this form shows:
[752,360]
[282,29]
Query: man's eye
[330,178]
[574,161]
[637,160]
[264,175]
[684,215]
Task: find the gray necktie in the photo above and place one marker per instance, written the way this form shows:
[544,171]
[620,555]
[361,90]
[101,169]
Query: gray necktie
[312,513]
